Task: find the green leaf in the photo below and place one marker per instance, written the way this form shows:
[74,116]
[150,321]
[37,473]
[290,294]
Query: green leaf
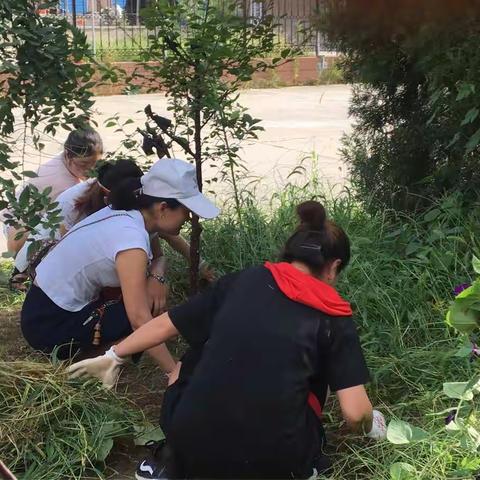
[458,390]
[101,453]
[402,471]
[476,264]
[412,247]
[470,116]
[465,90]
[145,433]
[29,174]
[432,214]
[473,141]
[464,351]
[464,321]
[402,433]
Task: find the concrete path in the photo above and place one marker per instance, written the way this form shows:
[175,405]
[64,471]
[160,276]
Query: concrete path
[299,122]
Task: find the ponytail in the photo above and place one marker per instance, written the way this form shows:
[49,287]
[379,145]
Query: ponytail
[317,240]
[127,195]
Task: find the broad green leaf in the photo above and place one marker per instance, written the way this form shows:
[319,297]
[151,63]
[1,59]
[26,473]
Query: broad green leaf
[432,214]
[29,174]
[402,433]
[473,141]
[464,351]
[145,433]
[476,264]
[399,433]
[464,321]
[402,471]
[470,116]
[458,390]
[465,90]
[101,453]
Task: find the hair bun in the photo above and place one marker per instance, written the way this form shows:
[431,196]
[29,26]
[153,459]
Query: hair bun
[312,215]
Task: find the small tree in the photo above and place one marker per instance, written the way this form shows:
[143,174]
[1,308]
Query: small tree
[42,75]
[206,51]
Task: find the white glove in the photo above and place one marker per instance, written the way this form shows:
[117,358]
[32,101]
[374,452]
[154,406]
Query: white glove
[106,368]
[379,427]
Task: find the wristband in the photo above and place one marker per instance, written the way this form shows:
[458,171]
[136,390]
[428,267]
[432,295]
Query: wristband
[159,278]
[110,353]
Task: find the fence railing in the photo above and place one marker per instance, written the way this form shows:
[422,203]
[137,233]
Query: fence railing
[114,28]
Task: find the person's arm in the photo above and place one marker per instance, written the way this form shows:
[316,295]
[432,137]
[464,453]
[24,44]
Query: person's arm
[131,268]
[153,333]
[180,245]
[347,375]
[192,319]
[356,408]
[157,291]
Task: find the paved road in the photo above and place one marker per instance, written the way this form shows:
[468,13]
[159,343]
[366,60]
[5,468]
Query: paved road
[298,122]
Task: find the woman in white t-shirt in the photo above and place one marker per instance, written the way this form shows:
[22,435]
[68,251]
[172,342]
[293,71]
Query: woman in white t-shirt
[64,309]
[86,198]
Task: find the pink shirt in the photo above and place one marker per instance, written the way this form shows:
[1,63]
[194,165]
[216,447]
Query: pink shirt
[54,174]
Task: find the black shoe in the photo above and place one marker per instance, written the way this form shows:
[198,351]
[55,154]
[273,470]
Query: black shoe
[152,467]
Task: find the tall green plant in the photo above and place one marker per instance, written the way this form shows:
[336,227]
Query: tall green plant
[206,51]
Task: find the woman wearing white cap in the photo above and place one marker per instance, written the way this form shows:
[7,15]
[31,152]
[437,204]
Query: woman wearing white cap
[65,309]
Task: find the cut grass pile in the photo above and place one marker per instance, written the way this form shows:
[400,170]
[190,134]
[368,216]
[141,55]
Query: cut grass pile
[55,428]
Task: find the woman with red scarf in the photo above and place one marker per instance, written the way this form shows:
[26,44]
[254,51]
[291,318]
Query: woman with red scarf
[266,345]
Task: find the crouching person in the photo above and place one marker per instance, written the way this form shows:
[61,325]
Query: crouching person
[65,308]
[266,344]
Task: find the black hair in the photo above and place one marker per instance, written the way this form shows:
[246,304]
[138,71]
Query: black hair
[316,240]
[109,174]
[83,142]
[127,195]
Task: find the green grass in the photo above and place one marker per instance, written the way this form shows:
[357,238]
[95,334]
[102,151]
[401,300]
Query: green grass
[8,300]
[53,428]
[400,282]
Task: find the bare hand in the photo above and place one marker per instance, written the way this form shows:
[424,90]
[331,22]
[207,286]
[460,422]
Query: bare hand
[157,296]
[207,273]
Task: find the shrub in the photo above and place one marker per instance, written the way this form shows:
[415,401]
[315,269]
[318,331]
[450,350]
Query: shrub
[415,104]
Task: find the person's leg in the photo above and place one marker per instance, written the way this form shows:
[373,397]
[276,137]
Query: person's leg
[49,328]
[16,238]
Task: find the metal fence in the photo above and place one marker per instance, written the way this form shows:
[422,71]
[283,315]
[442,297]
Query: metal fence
[114,27]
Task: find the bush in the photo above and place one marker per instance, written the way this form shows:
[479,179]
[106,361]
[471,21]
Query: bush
[417,67]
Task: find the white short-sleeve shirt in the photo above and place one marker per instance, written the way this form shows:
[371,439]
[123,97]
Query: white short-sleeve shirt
[68,212]
[83,262]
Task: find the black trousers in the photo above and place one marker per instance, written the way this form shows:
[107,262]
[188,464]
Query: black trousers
[173,461]
[47,327]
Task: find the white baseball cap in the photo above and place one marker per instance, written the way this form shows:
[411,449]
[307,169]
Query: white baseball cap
[177,179]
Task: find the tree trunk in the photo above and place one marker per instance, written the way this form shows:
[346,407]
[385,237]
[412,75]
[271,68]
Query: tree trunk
[196,227]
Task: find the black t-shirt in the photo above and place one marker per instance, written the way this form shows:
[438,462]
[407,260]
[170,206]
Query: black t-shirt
[244,411]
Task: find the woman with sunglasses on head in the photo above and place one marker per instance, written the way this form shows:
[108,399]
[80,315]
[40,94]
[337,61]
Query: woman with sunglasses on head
[266,344]
[110,248]
[82,149]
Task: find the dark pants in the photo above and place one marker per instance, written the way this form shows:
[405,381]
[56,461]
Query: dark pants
[173,462]
[47,327]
